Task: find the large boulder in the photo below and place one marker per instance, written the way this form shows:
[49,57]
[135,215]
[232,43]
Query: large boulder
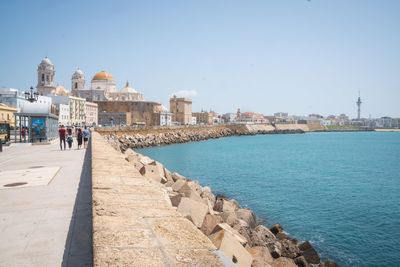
[227,242]
[243,228]
[130,151]
[209,223]
[182,186]
[261,256]
[207,194]
[247,216]
[154,171]
[176,176]
[145,160]
[242,240]
[175,198]
[328,263]
[301,261]
[222,204]
[283,262]
[229,217]
[132,157]
[309,253]
[195,186]
[193,210]
[276,228]
[261,235]
[289,249]
[168,175]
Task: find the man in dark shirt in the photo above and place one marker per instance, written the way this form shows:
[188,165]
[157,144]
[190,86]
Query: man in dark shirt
[62,133]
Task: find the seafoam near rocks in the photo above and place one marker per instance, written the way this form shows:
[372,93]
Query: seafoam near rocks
[233,230]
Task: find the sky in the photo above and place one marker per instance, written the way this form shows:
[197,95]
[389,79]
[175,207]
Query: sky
[294,56]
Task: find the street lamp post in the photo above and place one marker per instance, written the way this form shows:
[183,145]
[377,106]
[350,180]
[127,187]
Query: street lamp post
[31,96]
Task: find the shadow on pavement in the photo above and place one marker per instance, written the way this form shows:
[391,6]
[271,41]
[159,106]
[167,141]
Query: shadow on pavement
[78,247]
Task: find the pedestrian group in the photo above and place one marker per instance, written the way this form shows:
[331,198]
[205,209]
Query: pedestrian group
[67,136]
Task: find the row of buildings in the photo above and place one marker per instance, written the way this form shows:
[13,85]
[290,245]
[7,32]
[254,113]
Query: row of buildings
[101,103]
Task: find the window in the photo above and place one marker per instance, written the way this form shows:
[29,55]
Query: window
[42,77]
[76,85]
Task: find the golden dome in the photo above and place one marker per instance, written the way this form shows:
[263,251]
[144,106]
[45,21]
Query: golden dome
[102,75]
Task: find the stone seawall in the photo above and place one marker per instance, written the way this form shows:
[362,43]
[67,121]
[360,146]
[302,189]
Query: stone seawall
[139,138]
[233,230]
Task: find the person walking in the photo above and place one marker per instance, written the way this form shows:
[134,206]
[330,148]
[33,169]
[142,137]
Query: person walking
[62,133]
[70,138]
[23,134]
[86,135]
[79,137]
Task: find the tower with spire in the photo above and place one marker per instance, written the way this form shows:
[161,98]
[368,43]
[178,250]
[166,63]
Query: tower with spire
[359,106]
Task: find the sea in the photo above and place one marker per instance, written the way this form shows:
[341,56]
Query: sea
[341,191]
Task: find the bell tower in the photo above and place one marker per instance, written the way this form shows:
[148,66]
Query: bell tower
[78,80]
[46,73]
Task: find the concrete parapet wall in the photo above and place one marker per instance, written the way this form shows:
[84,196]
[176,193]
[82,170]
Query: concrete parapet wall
[134,223]
[303,127]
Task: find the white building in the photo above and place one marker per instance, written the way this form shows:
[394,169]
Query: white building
[77,108]
[63,113]
[165,117]
[91,114]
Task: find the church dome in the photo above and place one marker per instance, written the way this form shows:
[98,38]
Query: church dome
[103,75]
[46,61]
[128,89]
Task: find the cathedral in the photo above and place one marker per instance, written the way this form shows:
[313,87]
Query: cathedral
[102,88]
[126,103]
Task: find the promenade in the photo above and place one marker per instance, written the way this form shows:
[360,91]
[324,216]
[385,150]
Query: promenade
[45,206]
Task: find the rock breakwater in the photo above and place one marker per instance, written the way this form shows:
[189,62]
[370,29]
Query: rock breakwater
[232,229]
[156,137]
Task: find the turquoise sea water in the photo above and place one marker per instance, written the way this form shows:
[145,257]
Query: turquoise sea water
[341,191]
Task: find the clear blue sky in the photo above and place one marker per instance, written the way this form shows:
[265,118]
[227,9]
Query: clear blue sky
[296,56]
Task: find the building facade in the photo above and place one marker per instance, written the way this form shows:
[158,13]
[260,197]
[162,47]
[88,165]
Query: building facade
[181,109]
[204,117]
[114,118]
[91,114]
[77,108]
[141,112]
[63,113]
[7,114]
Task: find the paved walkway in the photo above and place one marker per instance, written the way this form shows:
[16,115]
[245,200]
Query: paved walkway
[134,222]
[45,206]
